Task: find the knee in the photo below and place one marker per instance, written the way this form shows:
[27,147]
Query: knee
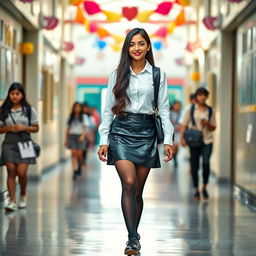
[206,163]
[130,185]
[22,175]
[74,154]
[11,174]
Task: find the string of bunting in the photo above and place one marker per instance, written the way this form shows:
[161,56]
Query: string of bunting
[130,13]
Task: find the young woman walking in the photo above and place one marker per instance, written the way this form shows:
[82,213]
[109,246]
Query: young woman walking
[127,131]
[200,117]
[17,120]
[75,137]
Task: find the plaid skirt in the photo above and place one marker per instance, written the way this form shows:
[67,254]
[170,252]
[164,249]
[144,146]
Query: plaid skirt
[10,151]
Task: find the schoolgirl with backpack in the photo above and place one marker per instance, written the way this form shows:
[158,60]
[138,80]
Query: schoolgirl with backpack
[196,132]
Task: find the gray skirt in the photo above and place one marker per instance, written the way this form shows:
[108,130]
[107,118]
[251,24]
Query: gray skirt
[74,143]
[10,151]
[133,137]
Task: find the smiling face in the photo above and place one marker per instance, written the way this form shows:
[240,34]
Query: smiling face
[138,48]
[15,96]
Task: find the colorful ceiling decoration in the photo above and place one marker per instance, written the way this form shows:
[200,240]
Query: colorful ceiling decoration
[235,1]
[27,1]
[68,46]
[88,10]
[51,22]
[130,12]
[212,22]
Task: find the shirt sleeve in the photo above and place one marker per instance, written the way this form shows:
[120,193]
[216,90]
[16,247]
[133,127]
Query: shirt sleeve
[186,117]
[213,118]
[163,106]
[34,117]
[108,115]
[85,120]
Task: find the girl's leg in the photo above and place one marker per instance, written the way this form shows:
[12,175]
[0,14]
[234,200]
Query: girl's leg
[80,160]
[142,174]
[22,174]
[74,156]
[11,180]
[206,154]
[127,173]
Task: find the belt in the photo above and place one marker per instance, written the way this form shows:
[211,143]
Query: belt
[137,115]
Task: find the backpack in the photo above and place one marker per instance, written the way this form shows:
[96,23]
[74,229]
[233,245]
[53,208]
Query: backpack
[194,137]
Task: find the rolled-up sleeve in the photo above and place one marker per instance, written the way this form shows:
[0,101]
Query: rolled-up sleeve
[108,115]
[163,106]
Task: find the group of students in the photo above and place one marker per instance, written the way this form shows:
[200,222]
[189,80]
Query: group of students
[127,131]
[18,119]
[80,134]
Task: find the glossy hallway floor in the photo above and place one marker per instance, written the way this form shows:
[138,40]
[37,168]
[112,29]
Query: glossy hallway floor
[83,217]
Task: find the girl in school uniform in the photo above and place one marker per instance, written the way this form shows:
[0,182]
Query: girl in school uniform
[18,119]
[127,131]
[75,137]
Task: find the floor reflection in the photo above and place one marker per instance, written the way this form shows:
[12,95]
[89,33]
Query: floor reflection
[83,217]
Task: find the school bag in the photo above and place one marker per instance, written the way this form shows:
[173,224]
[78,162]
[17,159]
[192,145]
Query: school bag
[192,136]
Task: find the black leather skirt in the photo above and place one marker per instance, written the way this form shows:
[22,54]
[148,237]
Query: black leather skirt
[133,137]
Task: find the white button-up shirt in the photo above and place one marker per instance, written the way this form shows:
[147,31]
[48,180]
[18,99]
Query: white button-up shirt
[141,94]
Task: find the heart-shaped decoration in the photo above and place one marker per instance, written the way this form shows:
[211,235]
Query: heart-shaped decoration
[130,12]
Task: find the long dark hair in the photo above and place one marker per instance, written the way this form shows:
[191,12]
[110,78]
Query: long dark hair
[72,114]
[7,104]
[123,70]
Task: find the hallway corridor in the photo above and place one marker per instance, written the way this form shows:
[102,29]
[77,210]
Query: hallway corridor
[83,217]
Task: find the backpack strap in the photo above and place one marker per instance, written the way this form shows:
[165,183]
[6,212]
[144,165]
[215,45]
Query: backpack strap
[29,115]
[156,80]
[192,111]
[209,112]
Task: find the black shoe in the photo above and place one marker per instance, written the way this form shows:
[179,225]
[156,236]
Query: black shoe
[205,194]
[132,247]
[197,196]
[78,172]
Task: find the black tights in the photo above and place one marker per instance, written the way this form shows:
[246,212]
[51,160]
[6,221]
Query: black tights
[133,179]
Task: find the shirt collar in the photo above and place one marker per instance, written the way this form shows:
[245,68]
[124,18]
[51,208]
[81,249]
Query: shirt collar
[147,68]
[16,110]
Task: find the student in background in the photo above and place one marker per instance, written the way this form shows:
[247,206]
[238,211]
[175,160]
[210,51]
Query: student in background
[205,122]
[175,112]
[75,137]
[18,119]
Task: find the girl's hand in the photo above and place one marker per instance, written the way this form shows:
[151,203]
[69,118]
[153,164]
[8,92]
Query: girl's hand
[17,128]
[102,153]
[168,152]
[183,142]
[81,138]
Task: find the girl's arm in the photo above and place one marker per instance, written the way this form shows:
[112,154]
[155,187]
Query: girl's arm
[32,129]
[5,129]
[66,136]
[108,115]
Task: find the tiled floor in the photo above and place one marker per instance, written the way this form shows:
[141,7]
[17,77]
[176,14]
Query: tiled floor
[84,217]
